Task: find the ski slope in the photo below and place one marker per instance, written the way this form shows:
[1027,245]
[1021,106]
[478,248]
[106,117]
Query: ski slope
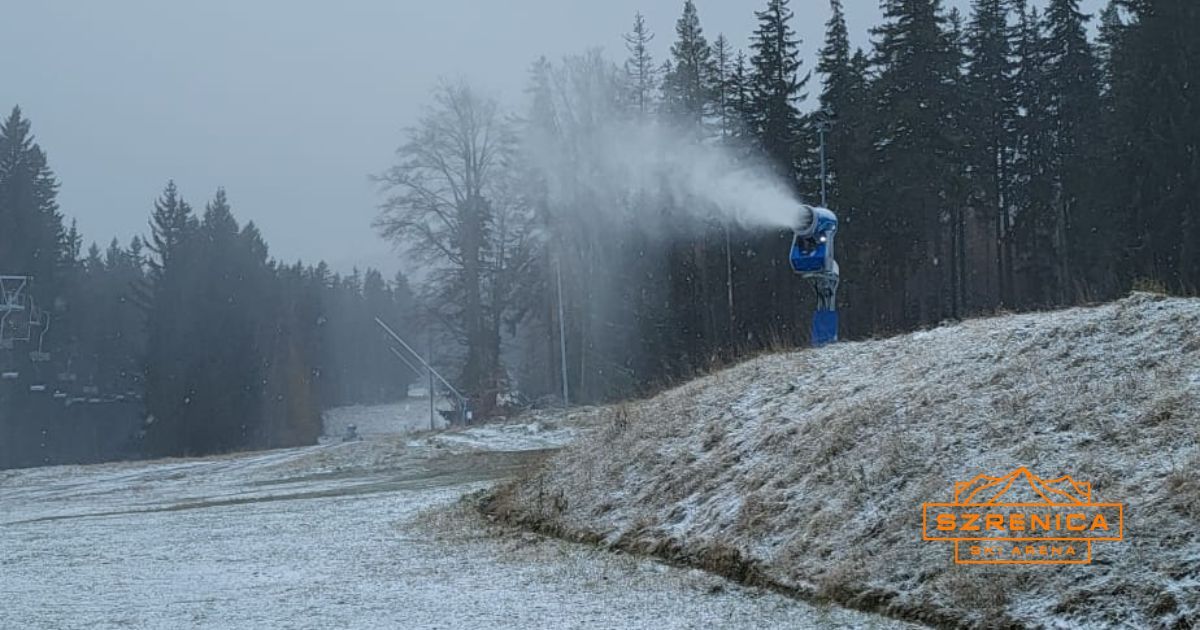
[808,469]
[367,534]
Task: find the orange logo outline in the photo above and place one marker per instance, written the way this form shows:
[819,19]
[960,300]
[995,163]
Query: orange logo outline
[1059,512]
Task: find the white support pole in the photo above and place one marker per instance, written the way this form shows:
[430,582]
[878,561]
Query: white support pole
[432,414]
[562,335]
[412,367]
[461,399]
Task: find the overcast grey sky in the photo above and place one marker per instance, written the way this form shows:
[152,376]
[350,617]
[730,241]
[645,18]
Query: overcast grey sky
[290,104]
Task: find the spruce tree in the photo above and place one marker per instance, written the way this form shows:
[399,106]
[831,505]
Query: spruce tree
[991,116]
[640,73]
[72,245]
[837,94]
[690,92]
[1156,100]
[776,87]
[31,228]
[1108,41]
[170,225]
[739,100]
[917,168]
[774,129]
[1034,241]
[170,317]
[846,111]
[834,64]
[93,263]
[1074,105]
[725,90]
[688,85]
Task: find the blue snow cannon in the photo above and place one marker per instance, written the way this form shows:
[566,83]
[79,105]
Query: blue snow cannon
[812,258]
[812,243]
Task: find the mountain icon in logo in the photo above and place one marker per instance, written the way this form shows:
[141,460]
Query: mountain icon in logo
[1022,486]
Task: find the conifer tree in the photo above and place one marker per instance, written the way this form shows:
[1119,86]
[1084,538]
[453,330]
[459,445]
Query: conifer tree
[170,225]
[689,88]
[725,100]
[846,114]
[169,319]
[917,169]
[1073,84]
[834,64]
[31,228]
[1033,241]
[739,100]
[1108,42]
[837,94]
[776,87]
[1156,97]
[640,73]
[991,113]
[72,245]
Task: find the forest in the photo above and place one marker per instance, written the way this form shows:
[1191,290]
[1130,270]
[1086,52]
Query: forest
[1022,156]
[221,347]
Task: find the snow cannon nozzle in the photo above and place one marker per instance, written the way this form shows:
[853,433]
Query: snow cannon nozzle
[810,220]
[803,223]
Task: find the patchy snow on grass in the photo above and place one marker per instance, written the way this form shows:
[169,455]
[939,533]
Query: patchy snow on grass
[808,469]
[503,437]
[405,416]
[364,534]
[533,430]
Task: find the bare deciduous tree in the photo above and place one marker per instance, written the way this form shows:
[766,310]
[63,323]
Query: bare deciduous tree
[451,205]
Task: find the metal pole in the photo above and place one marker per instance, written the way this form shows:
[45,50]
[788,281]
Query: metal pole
[729,282]
[562,334]
[406,362]
[417,355]
[432,415]
[821,126]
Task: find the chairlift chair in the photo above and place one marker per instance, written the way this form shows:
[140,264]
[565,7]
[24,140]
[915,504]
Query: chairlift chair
[12,290]
[39,355]
[15,299]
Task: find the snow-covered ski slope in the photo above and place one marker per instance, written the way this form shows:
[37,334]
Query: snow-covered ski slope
[366,534]
[811,466]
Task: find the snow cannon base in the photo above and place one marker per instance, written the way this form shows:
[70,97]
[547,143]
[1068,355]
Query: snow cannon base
[824,328]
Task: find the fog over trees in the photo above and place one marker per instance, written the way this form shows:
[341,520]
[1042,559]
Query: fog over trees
[620,227]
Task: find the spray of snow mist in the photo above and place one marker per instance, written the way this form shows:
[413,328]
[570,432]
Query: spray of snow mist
[663,182]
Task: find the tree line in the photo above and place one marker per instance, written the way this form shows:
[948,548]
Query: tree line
[998,160]
[227,348]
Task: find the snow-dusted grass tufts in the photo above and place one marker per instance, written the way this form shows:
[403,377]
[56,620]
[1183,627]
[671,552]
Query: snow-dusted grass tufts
[805,471]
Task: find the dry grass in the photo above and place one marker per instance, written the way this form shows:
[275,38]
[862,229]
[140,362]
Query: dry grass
[806,470]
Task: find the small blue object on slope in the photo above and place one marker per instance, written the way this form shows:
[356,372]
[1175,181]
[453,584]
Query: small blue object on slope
[824,328]
[812,257]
